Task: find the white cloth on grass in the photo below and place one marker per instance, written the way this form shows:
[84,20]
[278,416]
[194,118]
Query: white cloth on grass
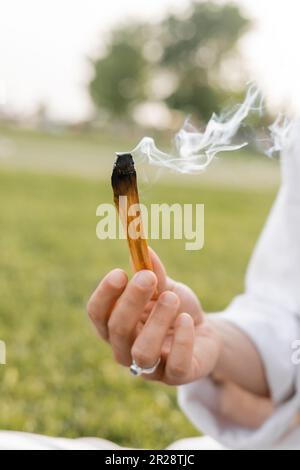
[269,313]
[10,440]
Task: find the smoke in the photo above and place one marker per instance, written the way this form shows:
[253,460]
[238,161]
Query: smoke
[280,134]
[194,150]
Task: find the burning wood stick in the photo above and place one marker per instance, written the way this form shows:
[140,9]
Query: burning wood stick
[124,183]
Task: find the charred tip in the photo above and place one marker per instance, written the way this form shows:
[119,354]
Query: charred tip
[124,163]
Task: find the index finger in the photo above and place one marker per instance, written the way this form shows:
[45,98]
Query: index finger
[104,298]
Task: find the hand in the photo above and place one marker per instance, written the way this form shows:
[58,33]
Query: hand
[140,327]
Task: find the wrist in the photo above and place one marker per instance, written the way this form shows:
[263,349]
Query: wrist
[238,361]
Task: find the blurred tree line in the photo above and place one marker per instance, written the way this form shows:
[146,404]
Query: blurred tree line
[183,62]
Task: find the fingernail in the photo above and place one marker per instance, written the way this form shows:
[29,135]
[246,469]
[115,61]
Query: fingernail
[145,279]
[185,320]
[169,298]
[117,278]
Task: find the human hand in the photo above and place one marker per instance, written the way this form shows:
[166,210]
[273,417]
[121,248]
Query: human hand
[143,328]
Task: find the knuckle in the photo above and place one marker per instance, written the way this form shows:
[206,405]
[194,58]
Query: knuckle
[120,359]
[132,304]
[104,334]
[141,357]
[129,303]
[90,308]
[161,321]
[182,343]
[116,329]
[176,371]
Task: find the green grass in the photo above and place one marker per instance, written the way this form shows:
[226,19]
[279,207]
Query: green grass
[60,379]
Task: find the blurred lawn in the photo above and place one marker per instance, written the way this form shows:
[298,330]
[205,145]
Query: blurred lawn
[60,380]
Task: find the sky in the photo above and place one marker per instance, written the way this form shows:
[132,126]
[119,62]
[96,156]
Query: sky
[45,46]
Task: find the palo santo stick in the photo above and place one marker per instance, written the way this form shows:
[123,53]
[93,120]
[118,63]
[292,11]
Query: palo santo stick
[124,183]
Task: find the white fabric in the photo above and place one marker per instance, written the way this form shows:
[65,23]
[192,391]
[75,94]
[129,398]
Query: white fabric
[269,313]
[10,440]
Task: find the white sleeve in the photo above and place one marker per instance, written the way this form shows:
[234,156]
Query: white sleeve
[274,270]
[269,313]
[273,335]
